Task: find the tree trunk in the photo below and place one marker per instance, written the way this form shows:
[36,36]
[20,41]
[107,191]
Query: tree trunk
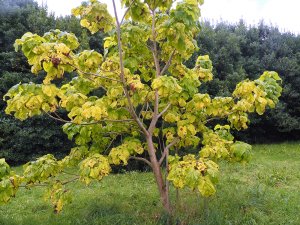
[163,191]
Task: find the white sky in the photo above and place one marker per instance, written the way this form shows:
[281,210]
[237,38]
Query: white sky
[283,14]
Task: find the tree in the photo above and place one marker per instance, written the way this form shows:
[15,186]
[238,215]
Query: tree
[138,95]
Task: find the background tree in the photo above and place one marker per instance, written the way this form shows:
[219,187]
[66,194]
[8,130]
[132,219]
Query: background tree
[22,142]
[136,101]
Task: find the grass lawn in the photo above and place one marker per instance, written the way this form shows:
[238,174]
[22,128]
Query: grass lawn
[265,191]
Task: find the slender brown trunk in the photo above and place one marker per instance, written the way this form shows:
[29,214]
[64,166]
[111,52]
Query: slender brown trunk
[154,162]
[163,191]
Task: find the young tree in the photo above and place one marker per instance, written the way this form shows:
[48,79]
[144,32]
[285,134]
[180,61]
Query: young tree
[137,101]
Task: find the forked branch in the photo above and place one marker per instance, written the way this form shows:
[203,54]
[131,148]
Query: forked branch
[164,110]
[166,150]
[122,74]
[168,63]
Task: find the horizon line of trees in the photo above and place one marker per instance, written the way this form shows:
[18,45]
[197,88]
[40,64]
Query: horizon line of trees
[237,51]
[215,22]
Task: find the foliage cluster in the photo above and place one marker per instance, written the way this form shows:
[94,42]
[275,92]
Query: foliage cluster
[22,142]
[237,52]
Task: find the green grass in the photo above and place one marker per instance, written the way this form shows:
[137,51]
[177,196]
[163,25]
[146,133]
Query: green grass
[265,191]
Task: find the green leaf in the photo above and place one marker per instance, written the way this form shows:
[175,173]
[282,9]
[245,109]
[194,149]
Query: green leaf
[4,168]
[95,166]
[241,151]
[206,187]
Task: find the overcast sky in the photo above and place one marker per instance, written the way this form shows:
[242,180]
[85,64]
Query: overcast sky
[283,14]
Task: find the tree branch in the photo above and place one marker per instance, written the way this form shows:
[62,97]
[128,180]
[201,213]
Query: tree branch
[141,159]
[217,118]
[128,8]
[72,174]
[47,184]
[58,119]
[34,185]
[57,116]
[142,109]
[166,150]
[95,74]
[112,141]
[155,115]
[154,51]
[69,181]
[157,66]
[164,110]
[167,64]
[122,74]
[84,124]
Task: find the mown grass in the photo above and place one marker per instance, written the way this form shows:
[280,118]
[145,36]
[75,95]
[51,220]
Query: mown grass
[265,191]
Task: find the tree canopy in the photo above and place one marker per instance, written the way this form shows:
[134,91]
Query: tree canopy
[136,101]
[235,50]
